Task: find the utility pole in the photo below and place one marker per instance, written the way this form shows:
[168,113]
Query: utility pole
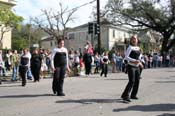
[98,23]
[29,33]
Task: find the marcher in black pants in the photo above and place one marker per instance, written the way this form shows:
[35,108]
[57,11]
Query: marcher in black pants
[24,66]
[59,64]
[36,65]
[87,59]
[104,64]
[133,56]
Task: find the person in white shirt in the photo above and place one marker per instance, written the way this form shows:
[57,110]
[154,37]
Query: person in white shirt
[24,64]
[59,64]
[134,58]
[104,64]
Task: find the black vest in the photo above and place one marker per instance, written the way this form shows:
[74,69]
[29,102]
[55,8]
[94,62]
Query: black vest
[134,54]
[24,60]
[60,59]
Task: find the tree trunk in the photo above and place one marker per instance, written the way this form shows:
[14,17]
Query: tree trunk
[1,45]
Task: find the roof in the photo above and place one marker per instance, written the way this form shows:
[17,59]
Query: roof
[103,23]
[9,2]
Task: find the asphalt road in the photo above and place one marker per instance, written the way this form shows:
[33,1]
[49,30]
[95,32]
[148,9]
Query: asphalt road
[92,96]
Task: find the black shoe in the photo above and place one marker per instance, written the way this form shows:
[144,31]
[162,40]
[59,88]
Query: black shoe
[125,99]
[54,91]
[60,94]
[134,97]
[23,83]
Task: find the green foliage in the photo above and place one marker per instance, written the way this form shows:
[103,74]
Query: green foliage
[96,50]
[19,44]
[111,52]
[19,39]
[157,15]
[9,19]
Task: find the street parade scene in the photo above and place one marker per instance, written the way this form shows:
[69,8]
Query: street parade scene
[118,58]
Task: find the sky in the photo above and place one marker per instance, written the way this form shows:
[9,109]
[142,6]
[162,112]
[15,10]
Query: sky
[32,8]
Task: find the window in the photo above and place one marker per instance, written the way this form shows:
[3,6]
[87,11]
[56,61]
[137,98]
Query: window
[72,36]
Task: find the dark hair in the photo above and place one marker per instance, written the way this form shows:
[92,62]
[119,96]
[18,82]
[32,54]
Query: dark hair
[132,37]
[59,40]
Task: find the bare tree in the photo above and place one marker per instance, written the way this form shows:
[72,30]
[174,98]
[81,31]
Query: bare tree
[54,22]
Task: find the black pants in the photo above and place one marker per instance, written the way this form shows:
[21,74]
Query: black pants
[87,68]
[104,69]
[23,72]
[133,84]
[58,79]
[35,68]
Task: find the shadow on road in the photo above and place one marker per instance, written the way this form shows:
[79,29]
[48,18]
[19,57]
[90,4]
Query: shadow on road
[91,101]
[115,79]
[166,114]
[165,81]
[148,108]
[26,96]
[10,86]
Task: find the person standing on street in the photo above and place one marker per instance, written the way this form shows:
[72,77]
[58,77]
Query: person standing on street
[87,59]
[36,64]
[133,56]
[24,66]
[15,61]
[59,64]
[104,64]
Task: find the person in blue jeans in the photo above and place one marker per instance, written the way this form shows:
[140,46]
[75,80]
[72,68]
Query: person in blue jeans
[119,61]
[15,60]
[29,73]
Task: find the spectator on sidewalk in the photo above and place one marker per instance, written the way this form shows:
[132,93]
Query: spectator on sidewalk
[1,66]
[15,61]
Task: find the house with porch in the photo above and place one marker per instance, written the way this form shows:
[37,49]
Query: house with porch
[111,36]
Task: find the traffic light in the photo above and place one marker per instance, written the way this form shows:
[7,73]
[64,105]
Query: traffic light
[90,28]
[97,28]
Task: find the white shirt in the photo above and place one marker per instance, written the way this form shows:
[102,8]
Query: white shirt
[54,51]
[127,55]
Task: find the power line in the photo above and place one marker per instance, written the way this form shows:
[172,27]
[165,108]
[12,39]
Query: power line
[73,9]
[81,6]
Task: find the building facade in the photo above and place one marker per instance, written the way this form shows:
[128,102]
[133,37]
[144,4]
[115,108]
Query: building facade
[6,41]
[111,36]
